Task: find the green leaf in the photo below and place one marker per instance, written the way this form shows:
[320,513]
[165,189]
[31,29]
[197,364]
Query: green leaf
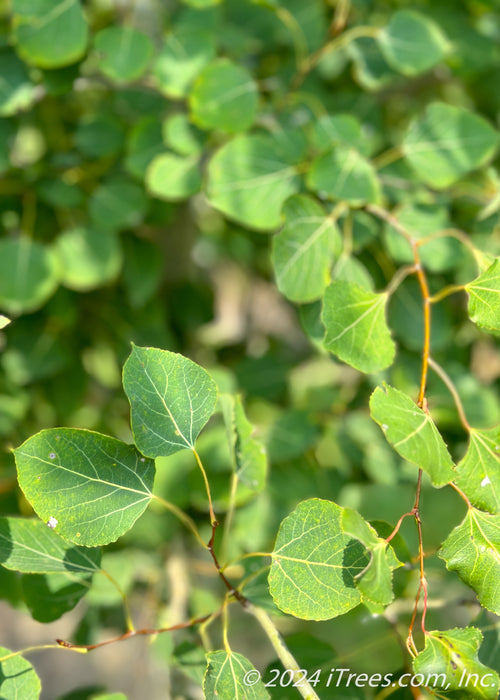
[356,329]
[224,96]
[478,473]
[4,321]
[185,52]
[248,171]
[49,33]
[182,136]
[16,89]
[484,298]
[412,433]
[171,400]
[412,43]
[449,663]
[140,255]
[476,540]
[448,142]
[303,250]
[31,547]
[371,70]
[49,596]
[375,581]
[124,53]
[144,143]
[110,483]
[18,678]
[249,455]
[28,274]
[116,204]
[343,174]
[314,563]
[422,220]
[172,177]
[335,130]
[88,258]
[225,678]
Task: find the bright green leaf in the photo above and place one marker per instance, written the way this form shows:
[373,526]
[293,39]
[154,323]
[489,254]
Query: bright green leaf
[185,52]
[374,582]
[449,663]
[314,563]
[4,321]
[356,329]
[88,258]
[412,433]
[16,89]
[303,250]
[172,177]
[124,53]
[478,473]
[17,678]
[224,96]
[484,298]
[28,274]
[448,142]
[49,33]
[31,547]
[335,130]
[412,43]
[249,171]
[343,174]
[225,678]
[477,541]
[110,483]
[182,136]
[422,220]
[171,399]
[249,455]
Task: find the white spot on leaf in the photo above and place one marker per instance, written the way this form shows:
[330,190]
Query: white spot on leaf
[485,481]
[384,427]
[52,455]
[52,522]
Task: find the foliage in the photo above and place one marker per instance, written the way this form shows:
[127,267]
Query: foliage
[281,219]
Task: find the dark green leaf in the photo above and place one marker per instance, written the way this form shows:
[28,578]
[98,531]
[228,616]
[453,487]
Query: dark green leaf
[343,174]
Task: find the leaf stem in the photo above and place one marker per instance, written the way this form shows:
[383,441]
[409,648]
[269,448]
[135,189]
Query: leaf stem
[27,650]
[284,654]
[453,391]
[213,519]
[446,292]
[183,517]
[132,633]
[233,591]
[126,607]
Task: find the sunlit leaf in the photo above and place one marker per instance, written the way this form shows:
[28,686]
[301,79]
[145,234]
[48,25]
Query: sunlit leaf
[303,250]
[16,89]
[449,663]
[28,274]
[251,170]
[124,53]
[412,433]
[412,43]
[173,177]
[88,258]
[343,174]
[314,563]
[478,473]
[224,96]
[356,329]
[49,33]
[484,298]
[30,546]
[477,541]
[110,483]
[448,142]
[17,678]
[171,399]
[227,677]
